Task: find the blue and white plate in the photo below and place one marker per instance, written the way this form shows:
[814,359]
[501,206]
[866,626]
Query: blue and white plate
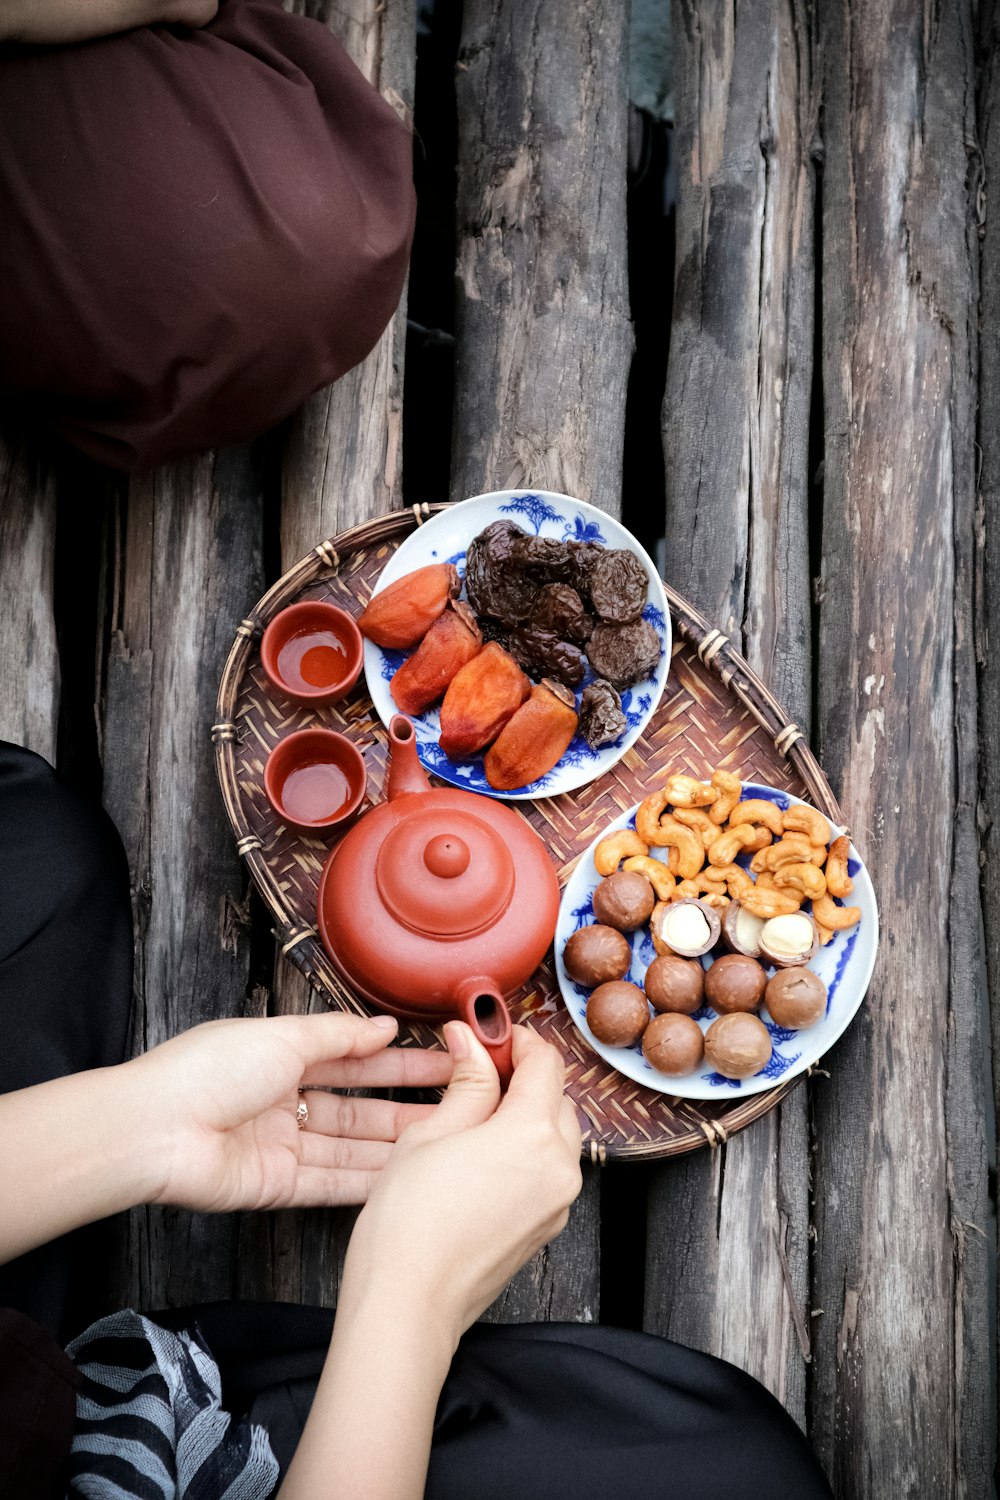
[445,538]
[845,966]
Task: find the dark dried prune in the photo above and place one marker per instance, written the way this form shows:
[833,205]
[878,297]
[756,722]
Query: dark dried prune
[544,557]
[560,609]
[542,654]
[583,557]
[624,653]
[494,584]
[601,718]
[619,586]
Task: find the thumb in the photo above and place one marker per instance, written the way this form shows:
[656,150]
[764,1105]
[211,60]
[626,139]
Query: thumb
[474,1091]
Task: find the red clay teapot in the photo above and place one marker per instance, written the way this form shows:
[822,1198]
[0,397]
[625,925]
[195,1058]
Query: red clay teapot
[438,903]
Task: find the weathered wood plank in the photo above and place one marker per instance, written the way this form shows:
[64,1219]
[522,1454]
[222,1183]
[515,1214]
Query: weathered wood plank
[543,340]
[736,442]
[188,566]
[984,182]
[901,1400]
[542,317]
[342,464]
[29,682]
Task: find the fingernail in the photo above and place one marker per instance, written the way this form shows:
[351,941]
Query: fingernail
[384,1023]
[458,1040]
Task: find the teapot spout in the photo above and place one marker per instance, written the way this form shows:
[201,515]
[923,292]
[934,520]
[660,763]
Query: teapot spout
[406,774]
[482,1007]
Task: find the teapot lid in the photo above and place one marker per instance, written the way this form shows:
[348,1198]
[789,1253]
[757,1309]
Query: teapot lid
[444,874]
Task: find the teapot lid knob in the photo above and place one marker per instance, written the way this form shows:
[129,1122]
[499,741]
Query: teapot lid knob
[446,856]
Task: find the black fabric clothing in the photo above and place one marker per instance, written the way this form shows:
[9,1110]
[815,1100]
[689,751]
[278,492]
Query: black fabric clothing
[557,1411]
[65,990]
[38,1385]
[561,1411]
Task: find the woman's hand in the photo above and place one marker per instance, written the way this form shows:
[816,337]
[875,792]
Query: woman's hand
[225,1096]
[207,1121]
[474,1188]
[51,22]
[469,1193]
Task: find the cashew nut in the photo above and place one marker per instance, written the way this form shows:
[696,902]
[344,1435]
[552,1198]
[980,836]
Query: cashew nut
[838,881]
[688,791]
[730,790]
[803,819]
[614,847]
[696,818]
[655,872]
[824,934]
[762,836]
[648,814]
[694,890]
[758,810]
[769,903]
[794,848]
[738,882]
[804,877]
[829,914]
[719,902]
[690,850]
[729,844]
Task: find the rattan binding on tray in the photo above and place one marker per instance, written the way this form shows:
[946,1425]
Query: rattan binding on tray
[714,712]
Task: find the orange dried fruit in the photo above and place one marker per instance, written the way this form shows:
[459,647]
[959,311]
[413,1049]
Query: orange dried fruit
[481,698]
[535,738]
[402,614]
[449,645]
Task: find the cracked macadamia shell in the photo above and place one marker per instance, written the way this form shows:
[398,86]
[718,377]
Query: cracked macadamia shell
[675,985]
[738,1045]
[688,928]
[741,930]
[596,954]
[795,998]
[617,1013]
[734,982]
[789,940]
[673,1044]
[624,900]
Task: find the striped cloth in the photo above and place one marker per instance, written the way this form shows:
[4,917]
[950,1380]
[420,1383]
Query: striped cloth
[149,1425]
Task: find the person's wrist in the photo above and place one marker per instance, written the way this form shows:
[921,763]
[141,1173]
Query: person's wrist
[148,1124]
[403,1299]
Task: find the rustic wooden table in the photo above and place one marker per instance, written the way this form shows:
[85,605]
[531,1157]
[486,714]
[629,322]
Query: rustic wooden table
[832,456]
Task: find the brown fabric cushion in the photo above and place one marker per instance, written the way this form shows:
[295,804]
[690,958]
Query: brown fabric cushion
[199,228]
[37,1409]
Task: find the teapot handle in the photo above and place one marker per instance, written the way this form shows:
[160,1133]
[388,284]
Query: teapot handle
[482,1007]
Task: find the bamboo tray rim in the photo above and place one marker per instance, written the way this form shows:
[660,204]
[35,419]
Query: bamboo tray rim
[300,942]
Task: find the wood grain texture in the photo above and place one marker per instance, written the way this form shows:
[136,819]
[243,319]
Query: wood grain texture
[343,458]
[542,314]
[728,1231]
[342,463]
[901,1397]
[29,681]
[985,178]
[543,338]
[188,565]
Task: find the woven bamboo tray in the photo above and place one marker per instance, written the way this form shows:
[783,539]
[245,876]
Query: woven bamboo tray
[714,712]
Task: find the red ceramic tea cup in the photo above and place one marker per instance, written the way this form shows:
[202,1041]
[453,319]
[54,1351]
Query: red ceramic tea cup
[312,652]
[315,780]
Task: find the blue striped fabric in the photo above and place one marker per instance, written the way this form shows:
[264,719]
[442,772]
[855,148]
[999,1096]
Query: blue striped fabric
[149,1425]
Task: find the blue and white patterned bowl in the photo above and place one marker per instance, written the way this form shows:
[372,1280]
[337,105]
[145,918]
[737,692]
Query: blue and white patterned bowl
[845,966]
[445,538]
